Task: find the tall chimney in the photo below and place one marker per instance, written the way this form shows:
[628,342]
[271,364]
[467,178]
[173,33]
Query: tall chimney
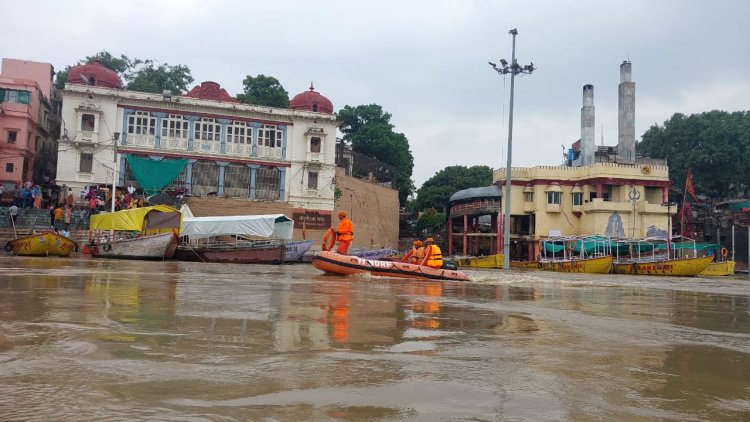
[588,143]
[626,116]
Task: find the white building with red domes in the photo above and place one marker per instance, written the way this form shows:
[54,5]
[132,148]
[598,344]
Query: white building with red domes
[204,142]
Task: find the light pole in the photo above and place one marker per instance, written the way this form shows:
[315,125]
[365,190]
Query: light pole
[513,69]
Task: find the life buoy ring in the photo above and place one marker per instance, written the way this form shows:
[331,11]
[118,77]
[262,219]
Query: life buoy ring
[106,247]
[8,247]
[329,239]
[572,245]
[724,252]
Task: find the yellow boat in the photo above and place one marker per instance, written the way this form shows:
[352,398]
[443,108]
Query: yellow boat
[42,244]
[593,265]
[493,261]
[718,269]
[489,261]
[684,267]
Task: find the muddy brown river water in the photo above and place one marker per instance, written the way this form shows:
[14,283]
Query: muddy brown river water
[95,340]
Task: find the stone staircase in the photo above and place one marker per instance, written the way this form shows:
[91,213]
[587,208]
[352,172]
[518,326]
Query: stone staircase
[38,220]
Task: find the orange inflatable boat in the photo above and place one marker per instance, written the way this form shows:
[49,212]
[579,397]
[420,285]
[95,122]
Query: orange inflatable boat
[332,262]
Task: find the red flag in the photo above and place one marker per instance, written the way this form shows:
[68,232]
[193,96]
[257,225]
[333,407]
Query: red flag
[689,187]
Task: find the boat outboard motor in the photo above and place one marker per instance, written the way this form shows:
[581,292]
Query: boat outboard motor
[449,265]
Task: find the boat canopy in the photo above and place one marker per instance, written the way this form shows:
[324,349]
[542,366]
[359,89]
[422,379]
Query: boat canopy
[155,218]
[277,226]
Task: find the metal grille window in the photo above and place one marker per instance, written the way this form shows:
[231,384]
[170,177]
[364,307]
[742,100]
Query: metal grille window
[315,144]
[312,180]
[87,162]
[236,181]
[12,136]
[267,183]
[207,130]
[205,178]
[175,126]
[87,122]
[577,198]
[528,197]
[553,197]
[141,123]
[238,133]
[269,136]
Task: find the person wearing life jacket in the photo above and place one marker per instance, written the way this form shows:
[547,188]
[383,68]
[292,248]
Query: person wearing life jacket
[433,255]
[344,233]
[416,254]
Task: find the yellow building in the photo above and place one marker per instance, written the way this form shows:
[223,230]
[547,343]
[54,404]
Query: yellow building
[603,198]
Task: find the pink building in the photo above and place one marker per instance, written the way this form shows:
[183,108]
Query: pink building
[29,123]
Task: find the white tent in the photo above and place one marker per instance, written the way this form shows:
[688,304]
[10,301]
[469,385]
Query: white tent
[275,226]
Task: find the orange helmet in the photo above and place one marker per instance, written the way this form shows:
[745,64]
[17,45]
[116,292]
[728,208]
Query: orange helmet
[418,243]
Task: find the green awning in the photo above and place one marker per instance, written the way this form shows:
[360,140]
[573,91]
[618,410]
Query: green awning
[154,175]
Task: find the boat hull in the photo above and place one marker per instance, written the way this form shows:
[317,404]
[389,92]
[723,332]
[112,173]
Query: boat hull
[42,244]
[719,269]
[489,261]
[158,246]
[251,255]
[334,263]
[294,250]
[686,267]
[596,265]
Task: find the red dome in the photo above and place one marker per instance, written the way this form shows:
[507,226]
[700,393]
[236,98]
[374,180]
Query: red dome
[210,91]
[311,101]
[94,74]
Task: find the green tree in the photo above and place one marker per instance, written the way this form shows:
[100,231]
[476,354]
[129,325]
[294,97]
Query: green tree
[369,130]
[431,221]
[137,74]
[264,90]
[437,190]
[715,145]
[146,76]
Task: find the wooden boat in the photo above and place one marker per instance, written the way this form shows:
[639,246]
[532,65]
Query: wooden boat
[590,265]
[577,254]
[42,244]
[156,246]
[137,233]
[489,261]
[678,256]
[719,269]
[334,263]
[493,261]
[295,250]
[240,239]
[681,267]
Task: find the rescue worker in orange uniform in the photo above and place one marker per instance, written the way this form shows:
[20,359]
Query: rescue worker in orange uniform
[433,255]
[416,254]
[344,233]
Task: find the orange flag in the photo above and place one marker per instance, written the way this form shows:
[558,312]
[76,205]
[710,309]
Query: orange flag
[689,187]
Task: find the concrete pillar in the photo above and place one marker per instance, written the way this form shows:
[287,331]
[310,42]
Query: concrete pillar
[222,168]
[283,142]
[599,190]
[254,149]
[189,176]
[223,136]
[588,134]
[253,179]
[191,131]
[450,236]
[282,183]
[626,115]
[465,237]
[159,122]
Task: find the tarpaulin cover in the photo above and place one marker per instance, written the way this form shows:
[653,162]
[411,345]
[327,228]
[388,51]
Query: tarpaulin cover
[154,175]
[277,226]
[138,219]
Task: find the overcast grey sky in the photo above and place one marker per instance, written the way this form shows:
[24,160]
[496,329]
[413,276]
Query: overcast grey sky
[425,62]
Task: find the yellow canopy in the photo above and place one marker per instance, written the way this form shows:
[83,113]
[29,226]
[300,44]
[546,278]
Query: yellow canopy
[138,219]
